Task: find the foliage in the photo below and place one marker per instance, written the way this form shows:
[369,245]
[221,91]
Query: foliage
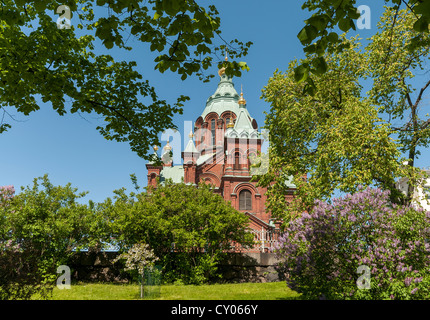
[40,228]
[37,58]
[15,263]
[189,228]
[319,32]
[321,250]
[392,91]
[334,142]
[21,276]
[340,137]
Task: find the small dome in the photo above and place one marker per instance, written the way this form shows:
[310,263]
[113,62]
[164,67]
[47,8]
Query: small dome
[167,146]
[242,100]
[221,71]
[225,99]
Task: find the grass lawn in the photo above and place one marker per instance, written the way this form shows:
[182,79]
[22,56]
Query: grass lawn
[240,291]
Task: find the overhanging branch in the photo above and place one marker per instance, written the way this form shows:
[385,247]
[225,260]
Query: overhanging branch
[115,110]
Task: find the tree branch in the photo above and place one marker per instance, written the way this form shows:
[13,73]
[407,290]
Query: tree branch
[425,124]
[117,112]
[391,38]
[421,93]
[408,97]
[176,45]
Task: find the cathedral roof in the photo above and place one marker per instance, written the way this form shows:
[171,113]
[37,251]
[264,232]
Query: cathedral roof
[243,127]
[191,147]
[204,158]
[224,99]
[243,122]
[174,173]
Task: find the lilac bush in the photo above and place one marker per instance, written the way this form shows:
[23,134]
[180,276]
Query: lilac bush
[321,251]
[6,193]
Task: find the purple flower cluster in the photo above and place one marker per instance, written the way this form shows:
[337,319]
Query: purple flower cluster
[6,193]
[320,251]
[10,246]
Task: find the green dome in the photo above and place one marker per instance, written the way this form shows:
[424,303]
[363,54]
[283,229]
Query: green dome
[224,99]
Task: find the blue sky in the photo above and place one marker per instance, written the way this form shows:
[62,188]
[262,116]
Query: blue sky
[69,148]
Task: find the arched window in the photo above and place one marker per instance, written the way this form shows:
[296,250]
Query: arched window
[236,165]
[202,136]
[152,178]
[227,121]
[213,131]
[245,200]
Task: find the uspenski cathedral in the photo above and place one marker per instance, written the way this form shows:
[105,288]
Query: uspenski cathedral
[218,152]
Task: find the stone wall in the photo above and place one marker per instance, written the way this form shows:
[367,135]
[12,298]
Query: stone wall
[250,267]
[237,267]
[96,267]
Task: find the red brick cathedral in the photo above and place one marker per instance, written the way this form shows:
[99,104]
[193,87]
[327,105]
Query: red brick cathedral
[218,152]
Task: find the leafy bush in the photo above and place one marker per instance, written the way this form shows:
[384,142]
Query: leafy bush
[189,228]
[39,230]
[321,251]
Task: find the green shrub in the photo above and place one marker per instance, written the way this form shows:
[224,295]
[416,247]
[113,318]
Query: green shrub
[189,228]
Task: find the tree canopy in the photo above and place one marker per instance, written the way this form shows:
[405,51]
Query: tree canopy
[331,17]
[341,136]
[60,65]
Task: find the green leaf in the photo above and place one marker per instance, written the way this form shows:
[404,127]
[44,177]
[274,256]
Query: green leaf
[243,65]
[319,22]
[20,2]
[320,47]
[39,5]
[108,44]
[310,49]
[345,24]
[422,8]
[333,37]
[320,66]
[301,73]
[134,29]
[309,89]
[307,34]
[353,13]
[4,127]
[421,25]
[302,35]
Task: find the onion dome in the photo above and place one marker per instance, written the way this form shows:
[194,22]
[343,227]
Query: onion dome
[241,101]
[167,146]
